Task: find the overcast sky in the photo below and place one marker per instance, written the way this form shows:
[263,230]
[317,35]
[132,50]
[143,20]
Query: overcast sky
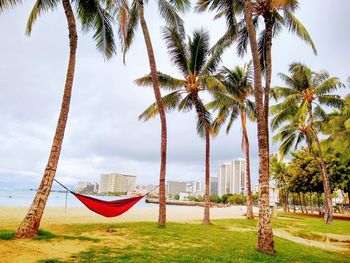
[103,133]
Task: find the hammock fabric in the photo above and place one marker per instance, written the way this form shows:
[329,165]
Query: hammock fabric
[106,208]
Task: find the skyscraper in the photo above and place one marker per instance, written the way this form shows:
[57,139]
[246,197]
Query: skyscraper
[115,182]
[213,186]
[232,177]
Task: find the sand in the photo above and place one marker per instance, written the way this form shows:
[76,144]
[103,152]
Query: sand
[10,217]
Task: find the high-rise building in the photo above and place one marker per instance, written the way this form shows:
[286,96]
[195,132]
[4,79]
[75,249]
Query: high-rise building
[213,190]
[115,182]
[85,187]
[175,187]
[232,177]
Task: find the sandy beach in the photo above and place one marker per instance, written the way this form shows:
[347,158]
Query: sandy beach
[10,217]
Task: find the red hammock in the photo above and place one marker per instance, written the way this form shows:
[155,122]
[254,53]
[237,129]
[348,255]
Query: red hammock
[106,208]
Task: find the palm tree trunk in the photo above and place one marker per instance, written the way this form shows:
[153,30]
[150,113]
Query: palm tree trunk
[311,205]
[199,110]
[293,200]
[30,225]
[265,242]
[328,206]
[206,218]
[305,203]
[268,74]
[319,203]
[157,94]
[250,214]
[287,200]
[301,203]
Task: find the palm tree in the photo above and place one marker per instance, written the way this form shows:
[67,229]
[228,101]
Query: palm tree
[197,66]
[128,22]
[279,173]
[338,127]
[292,131]
[311,90]
[238,83]
[275,13]
[265,242]
[92,15]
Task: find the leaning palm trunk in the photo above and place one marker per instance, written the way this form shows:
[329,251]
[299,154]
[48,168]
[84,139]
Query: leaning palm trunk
[206,218]
[265,242]
[30,225]
[250,214]
[328,206]
[157,94]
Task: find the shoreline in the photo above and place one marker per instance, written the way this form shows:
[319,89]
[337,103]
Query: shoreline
[10,217]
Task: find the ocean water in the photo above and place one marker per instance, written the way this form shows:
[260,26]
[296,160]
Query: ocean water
[24,198]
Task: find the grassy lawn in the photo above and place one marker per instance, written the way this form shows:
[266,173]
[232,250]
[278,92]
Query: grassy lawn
[221,242]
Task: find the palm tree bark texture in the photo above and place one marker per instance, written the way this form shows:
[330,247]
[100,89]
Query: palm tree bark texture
[206,218]
[29,226]
[157,93]
[265,242]
[250,214]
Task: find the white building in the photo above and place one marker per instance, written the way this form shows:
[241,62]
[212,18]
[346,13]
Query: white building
[195,188]
[232,177]
[86,187]
[115,182]
[213,186]
[175,188]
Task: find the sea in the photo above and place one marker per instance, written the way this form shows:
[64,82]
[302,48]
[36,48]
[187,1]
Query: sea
[24,198]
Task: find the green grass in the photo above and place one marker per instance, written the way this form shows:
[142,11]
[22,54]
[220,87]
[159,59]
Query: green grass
[7,234]
[145,242]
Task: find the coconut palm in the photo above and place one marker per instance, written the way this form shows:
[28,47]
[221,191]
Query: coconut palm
[195,63]
[338,127]
[276,14]
[292,132]
[279,173]
[311,91]
[265,242]
[92,16]
[238,83]
[129,18]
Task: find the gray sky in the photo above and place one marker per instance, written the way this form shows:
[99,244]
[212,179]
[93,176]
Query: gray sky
[103,133]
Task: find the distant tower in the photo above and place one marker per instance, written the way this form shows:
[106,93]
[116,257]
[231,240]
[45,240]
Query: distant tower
[232,177]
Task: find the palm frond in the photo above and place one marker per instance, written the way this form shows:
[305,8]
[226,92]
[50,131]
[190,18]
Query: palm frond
[202,126]
[131,27]
[165,81]
[186,103]
[295,26]
[40,7]
[327,86]
[199,49]
[4,4]
[94,16]
[168,11]
[177,49]
[170,101]
[331,101]
[233,117]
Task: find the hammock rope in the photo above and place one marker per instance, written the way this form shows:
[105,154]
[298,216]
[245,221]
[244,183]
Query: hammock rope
[106,208]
